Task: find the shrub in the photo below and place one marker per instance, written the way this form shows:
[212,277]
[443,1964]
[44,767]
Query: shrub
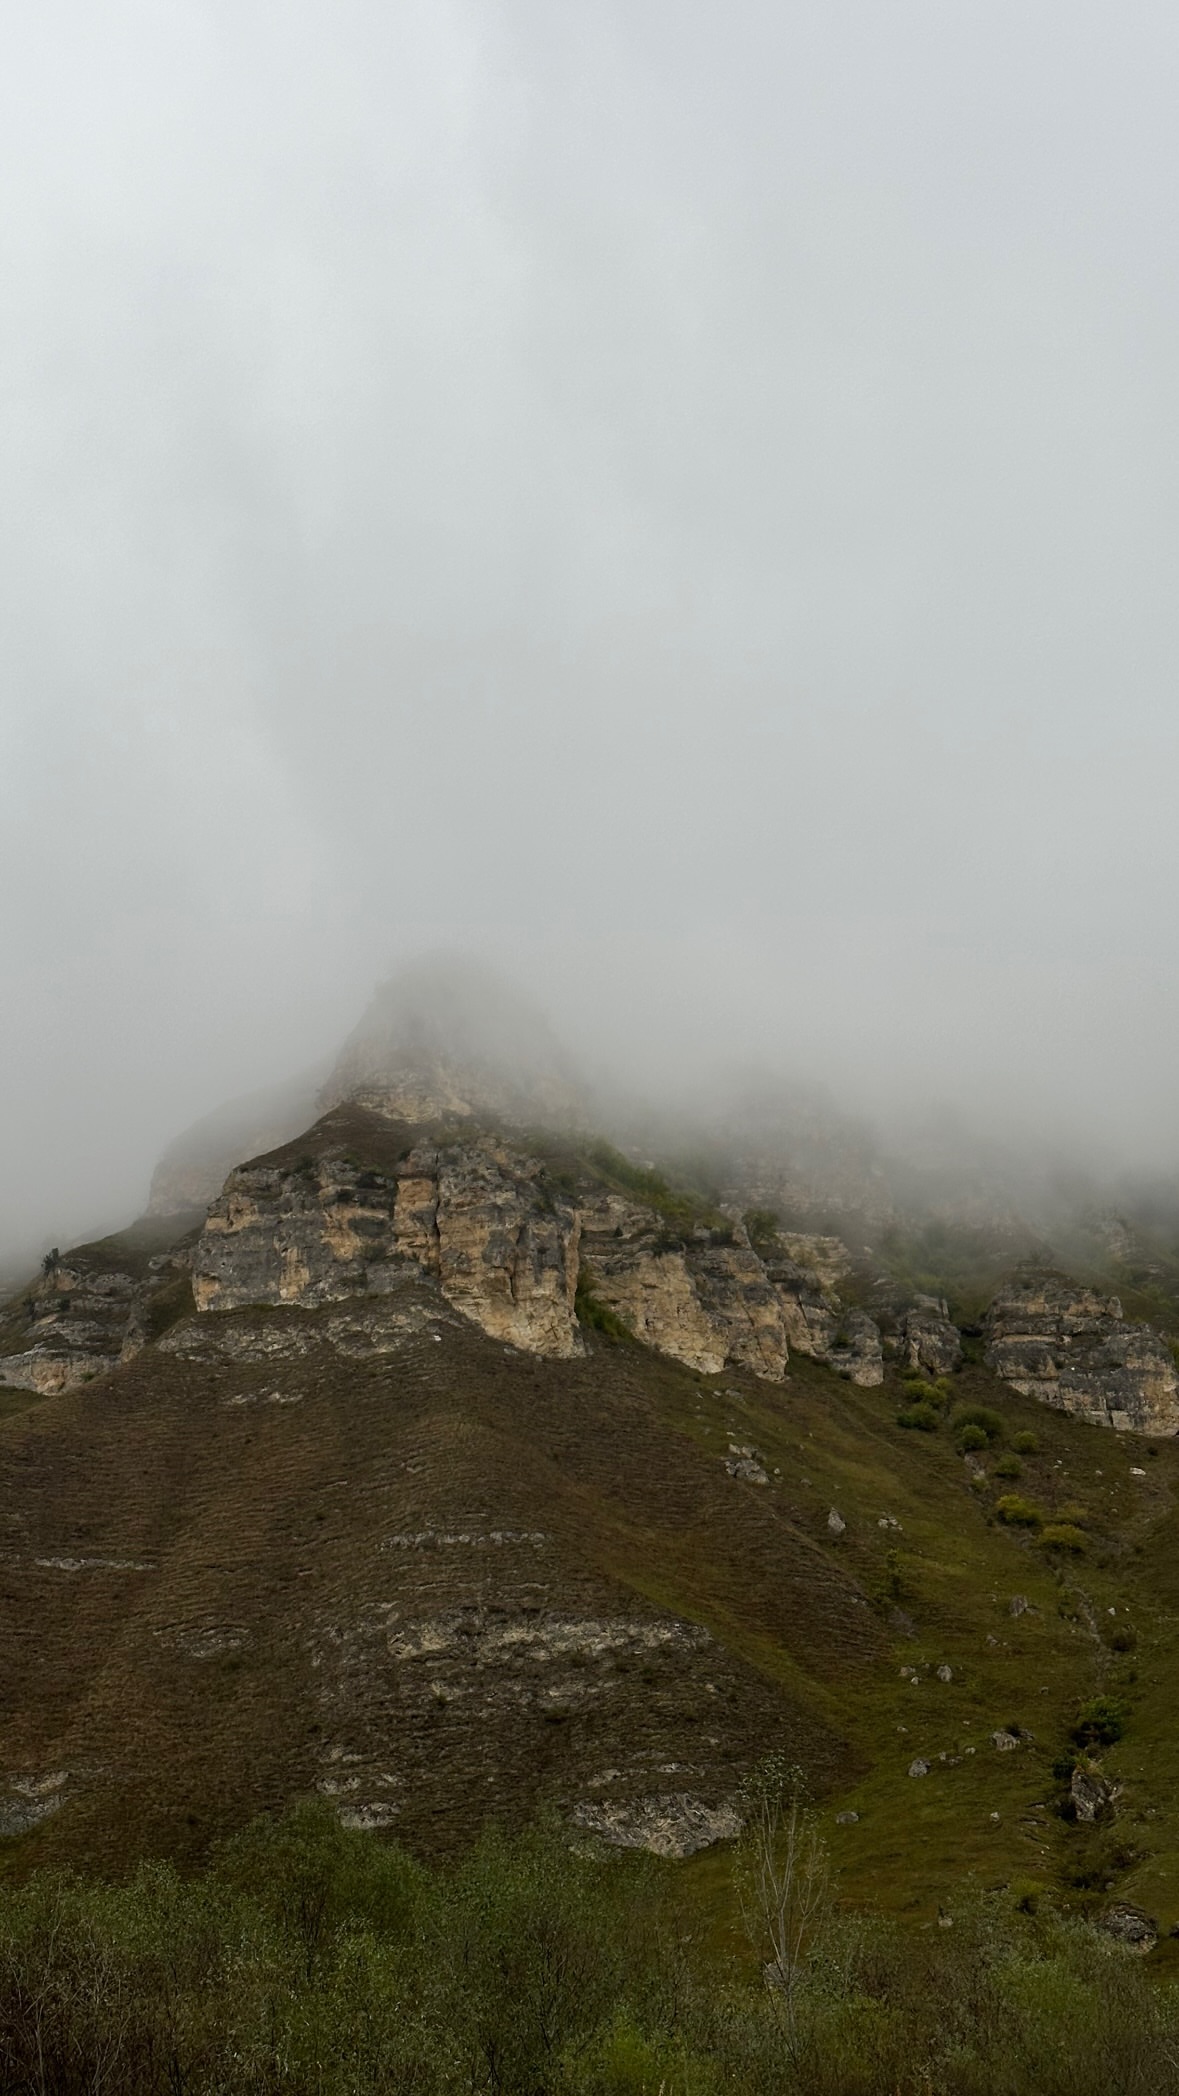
[989,1423]
[762,1226]
[971,1437]
[1018,1512]
[1124,1638]
[923,1417]
[309,1959]
[1100,1723]
[1025,1443]
[1062,1535]
[1009,1466]
[595,1315]
[1078,1515]
[923,1392]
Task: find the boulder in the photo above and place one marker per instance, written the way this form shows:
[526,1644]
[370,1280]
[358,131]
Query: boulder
[1130,1925]
[1092,1795]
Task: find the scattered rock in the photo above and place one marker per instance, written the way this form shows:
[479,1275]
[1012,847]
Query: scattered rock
[1004,1742]
[945,1673]
[836,1523]
[847,1819]
[1018,1605]
[1130,1925]
[749,1471]
[29,1800]
[367,1818]
[674,1824]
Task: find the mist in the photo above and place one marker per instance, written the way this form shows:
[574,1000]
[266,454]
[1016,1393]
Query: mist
[677,501]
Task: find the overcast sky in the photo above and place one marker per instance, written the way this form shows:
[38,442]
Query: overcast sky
[678,497]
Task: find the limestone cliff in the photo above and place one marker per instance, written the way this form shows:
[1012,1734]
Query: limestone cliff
[475,1216]
[805,1271]
[93,1308]
[927,1340]
[707,1301]
[1072,1348]
[517,1243]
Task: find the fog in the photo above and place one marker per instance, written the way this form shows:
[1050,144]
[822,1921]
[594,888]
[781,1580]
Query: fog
[678,500]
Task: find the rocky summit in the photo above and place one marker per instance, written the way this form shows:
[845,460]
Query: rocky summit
[452,1456]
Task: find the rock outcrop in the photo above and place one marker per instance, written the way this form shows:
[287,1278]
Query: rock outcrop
[1073,1348]
[707,1302]
[518,1249]
[817,1322]
[927,1339]
[477,1217]
[87,1312]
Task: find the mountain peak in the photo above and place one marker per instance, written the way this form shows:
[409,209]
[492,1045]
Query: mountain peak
[448,1036]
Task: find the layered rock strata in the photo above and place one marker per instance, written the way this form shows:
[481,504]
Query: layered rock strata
[509,1245]
[1073,1348]
[817,1323]
[475,1216]
[75,1323]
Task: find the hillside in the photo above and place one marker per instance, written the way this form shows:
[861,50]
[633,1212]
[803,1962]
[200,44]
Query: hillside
[446,1468]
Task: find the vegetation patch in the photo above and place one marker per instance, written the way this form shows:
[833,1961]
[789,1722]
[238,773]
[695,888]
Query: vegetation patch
[684,1212]
[762,1226]
[323,1962]
[1100,1723]
[922,1417]
[593,1313]
[1018,1512]
[981,1419]
[1063,1536]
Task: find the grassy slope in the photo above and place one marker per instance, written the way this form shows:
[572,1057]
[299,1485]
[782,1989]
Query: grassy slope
[628,1449]
[959,1569]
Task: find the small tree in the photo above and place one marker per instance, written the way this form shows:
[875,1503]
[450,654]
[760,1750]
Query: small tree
[783,1876]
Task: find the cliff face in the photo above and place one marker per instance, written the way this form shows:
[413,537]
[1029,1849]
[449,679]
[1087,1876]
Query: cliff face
[1072,1348]
[509,1242]
[89,1311]
[474,1216]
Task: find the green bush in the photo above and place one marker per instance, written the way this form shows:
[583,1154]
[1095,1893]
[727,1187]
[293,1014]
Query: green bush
[310,1961]
[1100,1723]
[595,1315]
[1062,1535]
[922,1417]
[1025,1443]
[762,1227]
[1009,1466]
[924,1392]
[1018,1512]
[971,1438]
[1078,1515]
[988,1423]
